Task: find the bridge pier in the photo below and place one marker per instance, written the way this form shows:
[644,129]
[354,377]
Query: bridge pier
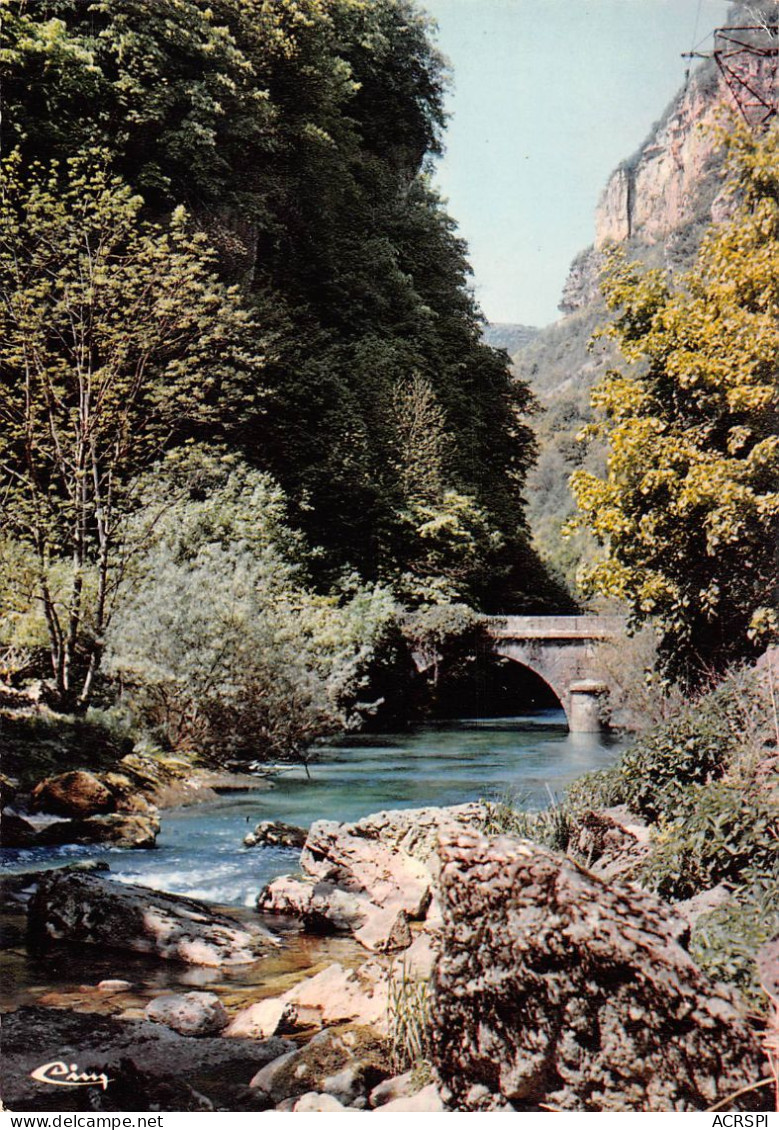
[585,711]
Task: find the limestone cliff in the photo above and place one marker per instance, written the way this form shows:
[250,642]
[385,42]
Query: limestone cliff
[658,204]
[673,179]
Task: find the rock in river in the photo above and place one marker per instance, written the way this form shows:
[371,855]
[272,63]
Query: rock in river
[389,856]
[72,794]
[275,833]
[325,909]
[369,876]
[91,910]
[555,989]
[41,830]
[335,853]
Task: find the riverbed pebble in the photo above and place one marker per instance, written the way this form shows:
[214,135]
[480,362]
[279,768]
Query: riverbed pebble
[114,986]
[314,1102]
[190,1014]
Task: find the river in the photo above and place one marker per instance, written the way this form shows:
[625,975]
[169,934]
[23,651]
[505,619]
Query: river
[200,849]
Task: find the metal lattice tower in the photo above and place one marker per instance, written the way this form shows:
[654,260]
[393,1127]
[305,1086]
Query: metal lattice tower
[748,57]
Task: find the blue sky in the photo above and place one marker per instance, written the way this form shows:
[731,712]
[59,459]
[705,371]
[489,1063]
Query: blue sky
[548,97]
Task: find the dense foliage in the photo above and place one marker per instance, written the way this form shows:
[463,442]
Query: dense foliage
[688,509]
[261,667]
[115,335]
[218,228]
[296,134]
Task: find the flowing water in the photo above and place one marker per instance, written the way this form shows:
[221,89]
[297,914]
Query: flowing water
[200,849]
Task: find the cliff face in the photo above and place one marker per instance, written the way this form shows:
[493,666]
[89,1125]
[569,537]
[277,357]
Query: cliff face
[581,288]
[658,203]
[672,181]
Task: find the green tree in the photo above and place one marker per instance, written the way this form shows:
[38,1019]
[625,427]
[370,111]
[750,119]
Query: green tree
[265,665]
[115,338]
[688,509]
[297,134]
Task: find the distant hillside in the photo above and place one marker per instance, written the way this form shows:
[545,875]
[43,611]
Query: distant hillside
[508,336]
[657,204]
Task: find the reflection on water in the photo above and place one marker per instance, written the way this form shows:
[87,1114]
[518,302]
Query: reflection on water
[199,851]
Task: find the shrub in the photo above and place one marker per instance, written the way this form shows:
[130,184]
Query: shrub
[706,739]
[724,831]
[725,941]
[602,788]
[220,644]
[656,771]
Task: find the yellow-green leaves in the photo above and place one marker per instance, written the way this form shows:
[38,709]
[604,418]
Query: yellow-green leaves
[687,511]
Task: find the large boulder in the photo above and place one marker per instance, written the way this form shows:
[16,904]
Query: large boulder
[370,877]
[326,909]
[388,858]
[74,794]
[387,853]
[262,1020]
[322,907]
[557,990]
[416,831]
[385,930]
[338,854]
[90,910]
[21,830]
[336,995]
[128,796]
[117,828]
[42,830]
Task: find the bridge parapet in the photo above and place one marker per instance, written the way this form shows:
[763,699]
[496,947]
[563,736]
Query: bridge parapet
[555,627]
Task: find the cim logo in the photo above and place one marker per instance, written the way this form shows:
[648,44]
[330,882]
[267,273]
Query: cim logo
[61,1074]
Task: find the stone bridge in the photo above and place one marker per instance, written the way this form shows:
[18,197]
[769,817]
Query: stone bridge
[561,651]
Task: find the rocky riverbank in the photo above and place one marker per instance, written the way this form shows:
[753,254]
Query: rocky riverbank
[497,975]
[118,806]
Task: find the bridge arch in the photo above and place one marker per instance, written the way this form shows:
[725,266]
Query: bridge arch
[558,689]
[561,650]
